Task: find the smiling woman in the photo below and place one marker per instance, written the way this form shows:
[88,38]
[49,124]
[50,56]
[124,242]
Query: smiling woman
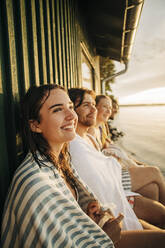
[46,204]
[56,113]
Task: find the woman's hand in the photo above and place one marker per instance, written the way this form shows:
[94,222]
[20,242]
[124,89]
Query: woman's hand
[113,228]
[105,219]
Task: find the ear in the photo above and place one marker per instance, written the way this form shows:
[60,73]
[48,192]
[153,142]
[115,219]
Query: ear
[35,126]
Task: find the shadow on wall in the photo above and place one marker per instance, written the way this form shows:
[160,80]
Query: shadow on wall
[4,169]
[11,151]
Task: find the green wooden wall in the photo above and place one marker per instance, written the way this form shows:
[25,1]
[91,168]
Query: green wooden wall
[39,44]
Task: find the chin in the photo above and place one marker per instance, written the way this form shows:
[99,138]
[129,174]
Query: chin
[71,137]
[105,119]
[91,123]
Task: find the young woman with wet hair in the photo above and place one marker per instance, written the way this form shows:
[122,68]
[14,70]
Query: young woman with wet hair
[46,203]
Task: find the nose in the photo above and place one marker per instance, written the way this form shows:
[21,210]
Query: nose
[109,111]
[71,114]
[93,108]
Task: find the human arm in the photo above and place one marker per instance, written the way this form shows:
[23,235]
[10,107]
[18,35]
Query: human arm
[120,155]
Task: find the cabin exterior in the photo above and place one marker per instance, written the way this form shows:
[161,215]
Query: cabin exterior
[55,41]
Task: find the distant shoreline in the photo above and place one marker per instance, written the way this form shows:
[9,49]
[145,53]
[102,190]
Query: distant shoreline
[142,105]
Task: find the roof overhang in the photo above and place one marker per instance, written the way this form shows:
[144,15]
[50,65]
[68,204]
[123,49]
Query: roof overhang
[112,24]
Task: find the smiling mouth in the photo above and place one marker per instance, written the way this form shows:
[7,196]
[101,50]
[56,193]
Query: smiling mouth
[91,116]
[69,127]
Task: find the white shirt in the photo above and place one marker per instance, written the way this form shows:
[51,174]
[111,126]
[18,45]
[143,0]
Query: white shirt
[103,176]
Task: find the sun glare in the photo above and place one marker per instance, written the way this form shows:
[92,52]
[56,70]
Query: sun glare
[152,96]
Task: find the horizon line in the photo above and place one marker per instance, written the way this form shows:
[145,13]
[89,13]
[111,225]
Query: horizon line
[141,104]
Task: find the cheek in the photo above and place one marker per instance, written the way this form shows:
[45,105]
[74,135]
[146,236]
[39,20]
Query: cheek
[75,116]
[75,120]
[109,114]
[102,112]
[80,115]
[100,116]
[52,125]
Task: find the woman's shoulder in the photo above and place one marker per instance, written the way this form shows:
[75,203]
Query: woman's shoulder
[26,176]
[28,164]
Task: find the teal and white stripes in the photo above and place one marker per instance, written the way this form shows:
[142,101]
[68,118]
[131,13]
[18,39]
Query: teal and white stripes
[40,211]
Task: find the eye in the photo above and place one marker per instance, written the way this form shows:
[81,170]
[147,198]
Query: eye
[57,110]
[85,104]
[71,107]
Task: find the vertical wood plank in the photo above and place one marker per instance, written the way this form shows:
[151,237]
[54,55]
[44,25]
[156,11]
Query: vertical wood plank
[42,40]
[12,48]
[54,42]
[35,46]
[49,42]
[24,44]
[59,43]
[66,35]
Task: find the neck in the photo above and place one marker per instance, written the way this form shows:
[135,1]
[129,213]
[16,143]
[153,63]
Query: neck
[56,150]
[81,130]
[98,123]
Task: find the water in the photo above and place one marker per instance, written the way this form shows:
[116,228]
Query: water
[144,129]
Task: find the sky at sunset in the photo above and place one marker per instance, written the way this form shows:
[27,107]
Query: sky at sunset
[144,81]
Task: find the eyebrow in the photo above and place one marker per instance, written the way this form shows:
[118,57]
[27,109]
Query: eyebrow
[87,102]
[59,104]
